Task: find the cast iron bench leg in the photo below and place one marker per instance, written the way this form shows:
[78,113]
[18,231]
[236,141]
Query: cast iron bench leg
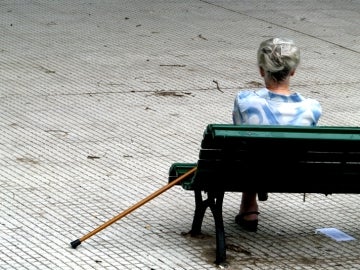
[200,208]
[214,201]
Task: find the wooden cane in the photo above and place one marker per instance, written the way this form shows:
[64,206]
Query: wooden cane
[77,242]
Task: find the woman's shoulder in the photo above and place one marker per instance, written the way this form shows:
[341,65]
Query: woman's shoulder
[308,100]
[246,93]
[311,104]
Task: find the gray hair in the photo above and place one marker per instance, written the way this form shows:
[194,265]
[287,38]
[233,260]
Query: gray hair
[278,57]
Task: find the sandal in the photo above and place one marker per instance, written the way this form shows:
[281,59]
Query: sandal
[249,225]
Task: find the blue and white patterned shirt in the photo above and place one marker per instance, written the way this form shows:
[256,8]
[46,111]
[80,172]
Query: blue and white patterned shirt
[263,107]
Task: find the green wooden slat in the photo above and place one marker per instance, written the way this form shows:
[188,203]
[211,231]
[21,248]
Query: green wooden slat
[288,132]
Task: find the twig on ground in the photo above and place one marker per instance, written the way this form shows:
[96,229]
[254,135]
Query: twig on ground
[217,86]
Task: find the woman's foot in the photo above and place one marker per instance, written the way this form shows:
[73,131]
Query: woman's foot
[244,221]
[249,211]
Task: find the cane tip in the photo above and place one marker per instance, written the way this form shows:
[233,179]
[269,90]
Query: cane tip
[75,243]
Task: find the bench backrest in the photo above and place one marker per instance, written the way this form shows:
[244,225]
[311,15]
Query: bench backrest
[279,159]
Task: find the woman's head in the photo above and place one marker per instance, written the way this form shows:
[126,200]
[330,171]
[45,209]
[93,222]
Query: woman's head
[278,57]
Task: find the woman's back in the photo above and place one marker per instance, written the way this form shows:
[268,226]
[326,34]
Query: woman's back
[263,107]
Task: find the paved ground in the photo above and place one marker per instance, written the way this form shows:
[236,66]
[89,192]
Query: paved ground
[99,98]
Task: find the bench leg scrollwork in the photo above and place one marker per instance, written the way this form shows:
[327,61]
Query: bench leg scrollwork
[214,201]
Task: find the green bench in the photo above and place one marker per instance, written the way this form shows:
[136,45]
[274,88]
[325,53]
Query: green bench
[268,159]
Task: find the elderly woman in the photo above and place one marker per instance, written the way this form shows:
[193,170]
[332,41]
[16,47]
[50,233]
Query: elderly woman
[275,104]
